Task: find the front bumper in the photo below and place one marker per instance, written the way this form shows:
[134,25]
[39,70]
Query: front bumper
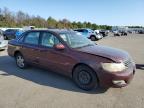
[119,79]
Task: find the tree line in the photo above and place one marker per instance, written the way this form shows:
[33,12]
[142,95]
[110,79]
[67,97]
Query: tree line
[21,19]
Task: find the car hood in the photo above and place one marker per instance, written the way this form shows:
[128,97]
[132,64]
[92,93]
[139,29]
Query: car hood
[114,54]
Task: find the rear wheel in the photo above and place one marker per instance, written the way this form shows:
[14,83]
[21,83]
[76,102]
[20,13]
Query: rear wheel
[85,77]
[20,61]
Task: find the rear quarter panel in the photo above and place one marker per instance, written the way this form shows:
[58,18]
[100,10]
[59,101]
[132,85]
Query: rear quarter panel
[13,46]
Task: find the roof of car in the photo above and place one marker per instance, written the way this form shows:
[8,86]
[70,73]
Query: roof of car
[58,31]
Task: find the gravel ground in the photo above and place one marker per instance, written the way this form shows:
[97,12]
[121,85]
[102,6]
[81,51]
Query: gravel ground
[37,88]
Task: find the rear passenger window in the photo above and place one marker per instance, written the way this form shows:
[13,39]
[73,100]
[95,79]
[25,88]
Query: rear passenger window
[32,38]
[85,31]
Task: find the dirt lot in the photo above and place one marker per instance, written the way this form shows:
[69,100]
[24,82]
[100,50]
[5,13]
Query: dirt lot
[36,88]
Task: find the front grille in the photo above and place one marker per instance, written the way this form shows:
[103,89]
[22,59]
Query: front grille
[127,62]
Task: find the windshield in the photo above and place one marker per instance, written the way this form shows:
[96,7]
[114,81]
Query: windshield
[76,40]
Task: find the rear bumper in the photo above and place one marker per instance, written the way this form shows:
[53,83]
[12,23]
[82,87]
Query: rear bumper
[119,79]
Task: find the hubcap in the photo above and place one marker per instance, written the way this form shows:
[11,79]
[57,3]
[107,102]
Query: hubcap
[20,61]
[93,38]
[84,77]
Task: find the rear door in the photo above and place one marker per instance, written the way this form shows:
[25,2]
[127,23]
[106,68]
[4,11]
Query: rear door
[30,47]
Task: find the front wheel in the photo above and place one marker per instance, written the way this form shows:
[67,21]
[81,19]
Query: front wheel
[93,38]
[85,77]
[20,61]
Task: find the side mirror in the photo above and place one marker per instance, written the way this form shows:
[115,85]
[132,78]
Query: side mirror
[59,47]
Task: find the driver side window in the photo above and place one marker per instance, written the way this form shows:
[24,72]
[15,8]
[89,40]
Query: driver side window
[49,40]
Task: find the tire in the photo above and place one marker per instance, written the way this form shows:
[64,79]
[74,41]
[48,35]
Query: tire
[93,38]
[85,78]
[20,62]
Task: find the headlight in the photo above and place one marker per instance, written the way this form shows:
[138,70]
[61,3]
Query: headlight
[113,67]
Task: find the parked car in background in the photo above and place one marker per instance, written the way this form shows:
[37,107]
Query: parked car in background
[141,31]
[90,34]
[123,33]
[120,33]
[18,33]
[97,31]
[1,32]
[73,55]
[104,32]
[3,43]
[10,34]
[98,35]
[25,28]
[117,33]
[131,31]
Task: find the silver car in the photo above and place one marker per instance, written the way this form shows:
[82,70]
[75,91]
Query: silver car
[3,43]
[89,33]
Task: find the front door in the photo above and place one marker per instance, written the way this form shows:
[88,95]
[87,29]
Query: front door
[30,47]
[56,60]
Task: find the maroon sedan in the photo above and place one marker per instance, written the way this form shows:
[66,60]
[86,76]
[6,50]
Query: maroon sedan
[73,55]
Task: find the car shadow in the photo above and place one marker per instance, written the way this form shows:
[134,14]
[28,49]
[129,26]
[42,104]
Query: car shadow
[42,77]
[140,66]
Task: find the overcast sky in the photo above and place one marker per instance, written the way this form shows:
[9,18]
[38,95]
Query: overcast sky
[110,12]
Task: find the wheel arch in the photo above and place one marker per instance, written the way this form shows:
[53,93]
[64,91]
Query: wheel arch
[95,38]
[84,64]
[92,36]
[16,52]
